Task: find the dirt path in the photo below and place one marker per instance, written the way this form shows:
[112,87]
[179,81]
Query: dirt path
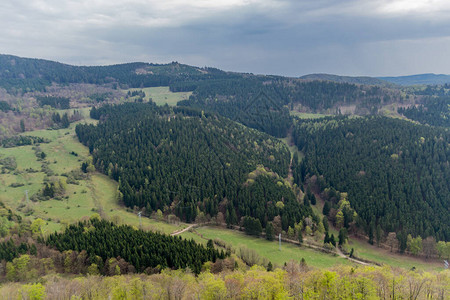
[177,232]
[339,252]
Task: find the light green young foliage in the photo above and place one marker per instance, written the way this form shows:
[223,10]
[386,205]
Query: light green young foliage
[19,268]
[213,287]
[4,226]
[34,291]
[36,226]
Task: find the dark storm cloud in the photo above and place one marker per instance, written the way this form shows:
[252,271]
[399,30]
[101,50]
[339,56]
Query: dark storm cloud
[277,37]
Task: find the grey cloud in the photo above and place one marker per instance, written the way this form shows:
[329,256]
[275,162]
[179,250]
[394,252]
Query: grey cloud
[278,37]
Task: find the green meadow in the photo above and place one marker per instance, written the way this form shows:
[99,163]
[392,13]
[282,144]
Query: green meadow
[270,249]
[382,256]
[162,95]
[95,194]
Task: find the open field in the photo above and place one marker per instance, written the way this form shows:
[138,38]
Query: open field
[373,253]
[162,95]
[303,115]
[270,249]
[94,194]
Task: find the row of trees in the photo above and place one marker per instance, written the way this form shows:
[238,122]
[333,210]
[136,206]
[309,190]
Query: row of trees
[55,102]
[141,249]
[418,246]
[22,140]
[59,121]
[293,281]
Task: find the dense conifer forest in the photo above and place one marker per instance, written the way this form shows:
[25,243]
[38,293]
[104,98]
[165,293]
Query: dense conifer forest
[396,173]
[188,161]
[434,112]
[264,102]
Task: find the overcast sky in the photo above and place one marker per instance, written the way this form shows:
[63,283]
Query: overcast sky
[284,37]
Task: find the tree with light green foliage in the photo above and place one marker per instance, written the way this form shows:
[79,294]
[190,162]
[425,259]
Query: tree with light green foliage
[18,269]
[4,226]
[36,226]
[291,232]
[443,249]
[414,245]
[320,227]
[93,270]
[35,291]
[212,287]
[159,215]
[308,230]
[339,219]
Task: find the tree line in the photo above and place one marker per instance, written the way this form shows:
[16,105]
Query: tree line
[141,249]
[295,280]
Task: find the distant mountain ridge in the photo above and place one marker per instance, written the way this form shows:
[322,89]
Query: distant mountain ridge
[36,73]
[427,79]
[364,80]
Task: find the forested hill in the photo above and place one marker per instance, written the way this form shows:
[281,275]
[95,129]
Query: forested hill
[433,111]
[264,102]
[396,173]
[419,79]
[25,74]
[261,102]
[191,162]
[348,79]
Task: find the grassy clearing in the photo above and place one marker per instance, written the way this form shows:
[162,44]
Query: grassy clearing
[270,249]
[292,148]
[373,253]
[194,236]
[162,95]
[77,202]
[94,194]
[303,115]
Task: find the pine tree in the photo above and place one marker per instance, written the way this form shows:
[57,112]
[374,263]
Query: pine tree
[326,208]
[269,231]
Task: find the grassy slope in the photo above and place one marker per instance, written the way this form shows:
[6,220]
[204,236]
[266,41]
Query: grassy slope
[303,115]
[162,95]
[373,253]
[91,195]
[270,250]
